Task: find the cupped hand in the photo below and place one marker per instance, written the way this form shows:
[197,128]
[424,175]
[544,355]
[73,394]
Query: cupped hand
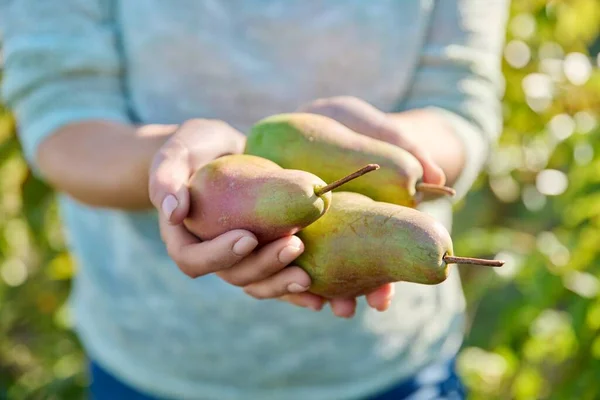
[367,120]
[263,272]
[379,299]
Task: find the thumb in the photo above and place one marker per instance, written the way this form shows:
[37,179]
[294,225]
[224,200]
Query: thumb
[169,175]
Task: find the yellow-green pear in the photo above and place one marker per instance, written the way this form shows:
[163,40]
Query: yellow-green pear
[326,148]
[361,244]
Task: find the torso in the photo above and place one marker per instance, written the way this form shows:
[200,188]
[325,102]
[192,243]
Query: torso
[241,61]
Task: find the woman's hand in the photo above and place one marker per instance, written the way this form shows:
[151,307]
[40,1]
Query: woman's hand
[367,120]
[262,273]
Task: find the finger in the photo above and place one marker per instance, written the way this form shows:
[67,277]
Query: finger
[381,298]
[432,172]
[366,119]
[344,308]
[289,280]
[169,174]
[355,114]
[196,258]
[218,139]
[265,262]
[363,118]
[175,237]
[306,300]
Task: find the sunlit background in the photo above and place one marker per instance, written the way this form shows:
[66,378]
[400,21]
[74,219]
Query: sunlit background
[534,329]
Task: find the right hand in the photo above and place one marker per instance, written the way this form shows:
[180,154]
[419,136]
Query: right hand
[262,273]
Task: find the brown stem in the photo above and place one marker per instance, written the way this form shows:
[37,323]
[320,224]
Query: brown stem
[333,185]
[435,189]
[475,261]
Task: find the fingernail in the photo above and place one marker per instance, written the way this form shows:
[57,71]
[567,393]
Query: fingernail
[288,254]
[169,205]
[385,306]
[296,288]
[314,307]
[244,245]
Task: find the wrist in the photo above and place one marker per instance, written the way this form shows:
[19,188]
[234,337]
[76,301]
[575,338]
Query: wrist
[431,134]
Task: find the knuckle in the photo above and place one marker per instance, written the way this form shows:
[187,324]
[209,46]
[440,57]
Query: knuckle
[203,123]
[153,190]
[214,263]
[321,106]
[236,279]
[251,292]
[269,266]
[184,265]
[217,123]
[192,123]
[155,193]
[333,107]
[160,181]
[189,273]
[155,180]
[187,269]
[342,101]
[297,274]
[259,293]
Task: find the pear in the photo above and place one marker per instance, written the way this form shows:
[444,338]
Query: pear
[248,192]
[361,244]
[324,147]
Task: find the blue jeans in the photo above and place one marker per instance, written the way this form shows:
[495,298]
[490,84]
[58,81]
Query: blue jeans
[434,383]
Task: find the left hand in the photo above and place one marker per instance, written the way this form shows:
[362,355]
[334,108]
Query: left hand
[367,120]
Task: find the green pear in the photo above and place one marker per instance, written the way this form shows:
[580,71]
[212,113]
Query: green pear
[324,147]
[248,192]
[361,244]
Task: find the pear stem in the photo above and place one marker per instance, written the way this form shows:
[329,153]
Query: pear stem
[474,261]
[334,185]
[435,189]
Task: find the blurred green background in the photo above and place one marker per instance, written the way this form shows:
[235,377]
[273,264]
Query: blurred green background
[534,329]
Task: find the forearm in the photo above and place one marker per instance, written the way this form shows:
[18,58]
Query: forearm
[430,132]
[101,163]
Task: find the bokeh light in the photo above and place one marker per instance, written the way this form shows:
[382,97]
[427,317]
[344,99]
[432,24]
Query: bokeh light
[533,326]
[552,182]
[539,90]
[577,68]
[586,121]
[517,53]
[523,26]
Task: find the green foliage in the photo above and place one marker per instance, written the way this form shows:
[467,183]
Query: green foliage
[40,358]
[534,329]
[535,323]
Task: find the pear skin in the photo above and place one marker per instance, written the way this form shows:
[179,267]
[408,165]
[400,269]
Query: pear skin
[361,244]
[247,192]
[324,147]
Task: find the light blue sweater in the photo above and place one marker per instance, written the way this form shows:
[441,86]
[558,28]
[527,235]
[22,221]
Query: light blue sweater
[167,61]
